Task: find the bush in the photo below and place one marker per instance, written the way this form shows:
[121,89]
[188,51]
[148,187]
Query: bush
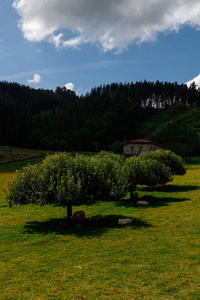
[140,171]
[68,180]
[109,175]
[169,158]
[74,180]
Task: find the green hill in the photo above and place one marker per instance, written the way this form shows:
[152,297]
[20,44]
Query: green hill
[177,127]
[102,118]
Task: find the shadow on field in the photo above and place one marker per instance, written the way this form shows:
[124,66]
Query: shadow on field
[87,228]
[180,188]
[157,202]
[152,201]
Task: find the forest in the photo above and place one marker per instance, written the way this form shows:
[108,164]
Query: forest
[167,113]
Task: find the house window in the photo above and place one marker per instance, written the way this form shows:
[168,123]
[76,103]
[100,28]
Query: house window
[132,148]
[153,148]
[126,149]
[140,148]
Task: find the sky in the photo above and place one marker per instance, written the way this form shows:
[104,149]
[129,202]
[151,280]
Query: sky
[82,44]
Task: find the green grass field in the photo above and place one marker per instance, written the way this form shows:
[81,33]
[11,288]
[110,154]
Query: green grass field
[12,159]
[192,162]
[155,257]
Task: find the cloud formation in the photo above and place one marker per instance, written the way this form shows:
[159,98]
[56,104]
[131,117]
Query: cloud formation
[69,86]
[113,24]
[196,80]
[36,79]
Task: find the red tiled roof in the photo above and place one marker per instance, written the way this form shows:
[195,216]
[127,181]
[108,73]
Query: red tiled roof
[142,142]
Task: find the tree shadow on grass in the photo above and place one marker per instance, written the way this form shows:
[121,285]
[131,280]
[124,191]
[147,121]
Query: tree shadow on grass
[172,188]
[87,228]
[159,201]
[152,201]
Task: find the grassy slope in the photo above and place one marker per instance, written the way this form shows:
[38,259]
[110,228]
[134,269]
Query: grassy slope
[12,158]
[12,154]
[156,257]
[177,127]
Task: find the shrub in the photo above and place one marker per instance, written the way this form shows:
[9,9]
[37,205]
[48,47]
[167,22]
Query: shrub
[68,180]
[109,175]
[169,158]
[137,171]
[74,180]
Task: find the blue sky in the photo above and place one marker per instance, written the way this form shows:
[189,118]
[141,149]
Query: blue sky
[85,43]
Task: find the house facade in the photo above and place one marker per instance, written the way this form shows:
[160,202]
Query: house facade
[136,147]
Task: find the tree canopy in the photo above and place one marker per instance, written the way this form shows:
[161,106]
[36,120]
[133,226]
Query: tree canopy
[68,180]
[102,118]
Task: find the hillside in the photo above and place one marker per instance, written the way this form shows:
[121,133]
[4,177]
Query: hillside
[176,127]
[167,113]
[12,158]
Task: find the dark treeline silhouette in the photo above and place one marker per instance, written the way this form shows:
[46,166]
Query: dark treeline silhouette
[99,120]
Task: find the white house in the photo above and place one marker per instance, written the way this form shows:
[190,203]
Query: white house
[135,147]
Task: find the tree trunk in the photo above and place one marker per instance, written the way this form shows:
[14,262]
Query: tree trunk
[69,211]
[132,198]
[131,194]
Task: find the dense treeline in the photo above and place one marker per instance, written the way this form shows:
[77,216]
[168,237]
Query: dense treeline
[99,120]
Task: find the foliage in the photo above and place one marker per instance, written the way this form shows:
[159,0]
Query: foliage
[74,180]
[106,116]
[68,180]
[22,188]
[109,175]
[155,172]
[140,171]
[167,157]
[177,127]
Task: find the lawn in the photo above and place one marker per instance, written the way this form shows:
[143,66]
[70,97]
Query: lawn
[155,257]
[12,158]
[192,162]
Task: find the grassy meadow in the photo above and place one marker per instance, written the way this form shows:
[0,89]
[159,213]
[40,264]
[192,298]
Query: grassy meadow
[155,257]
[12,159]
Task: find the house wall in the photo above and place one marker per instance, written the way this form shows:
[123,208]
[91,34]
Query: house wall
[137,148]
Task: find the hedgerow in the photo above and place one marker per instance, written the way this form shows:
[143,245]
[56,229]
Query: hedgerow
[74,180]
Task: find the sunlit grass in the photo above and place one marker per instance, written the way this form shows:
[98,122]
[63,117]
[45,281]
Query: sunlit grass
[18,165]
[156,257]
[192,162]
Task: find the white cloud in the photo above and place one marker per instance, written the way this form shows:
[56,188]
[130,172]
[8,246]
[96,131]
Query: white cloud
[196,80]
[36,79]
[69,86]
[114,24]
